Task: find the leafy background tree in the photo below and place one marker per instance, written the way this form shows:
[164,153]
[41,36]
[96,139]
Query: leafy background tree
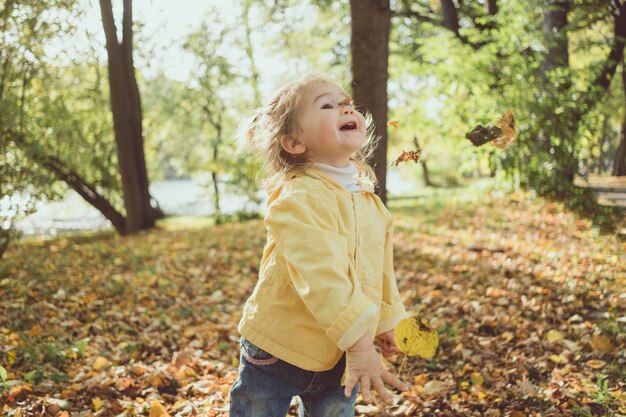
[452,65]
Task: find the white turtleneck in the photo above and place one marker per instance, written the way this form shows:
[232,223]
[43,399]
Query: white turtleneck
[344,176]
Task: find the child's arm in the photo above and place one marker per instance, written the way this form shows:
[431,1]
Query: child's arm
[366,369]
[392,309]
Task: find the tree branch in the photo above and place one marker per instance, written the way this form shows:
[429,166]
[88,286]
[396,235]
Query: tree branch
[108,22]
[127,31]
[74,180]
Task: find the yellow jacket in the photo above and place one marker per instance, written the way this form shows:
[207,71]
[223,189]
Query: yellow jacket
[326,274]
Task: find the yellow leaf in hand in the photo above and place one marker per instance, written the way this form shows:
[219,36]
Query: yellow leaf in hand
[413,336]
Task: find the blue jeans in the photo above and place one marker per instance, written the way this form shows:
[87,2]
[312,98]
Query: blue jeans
[267,384]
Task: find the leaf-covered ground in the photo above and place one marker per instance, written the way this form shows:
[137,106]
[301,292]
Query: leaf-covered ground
[529,303]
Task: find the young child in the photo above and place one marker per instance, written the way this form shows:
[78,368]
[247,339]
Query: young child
[326,288]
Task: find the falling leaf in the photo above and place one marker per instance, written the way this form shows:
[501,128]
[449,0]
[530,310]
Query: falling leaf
[501,136]
[554,336]
[346,101]
[393,123]
[408,156]
[601,344]
[507,126]
[413,336]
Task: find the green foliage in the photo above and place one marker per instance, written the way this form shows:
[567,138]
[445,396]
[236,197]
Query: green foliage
[442,87]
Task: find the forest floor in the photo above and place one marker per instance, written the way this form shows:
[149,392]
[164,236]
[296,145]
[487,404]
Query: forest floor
[528,300]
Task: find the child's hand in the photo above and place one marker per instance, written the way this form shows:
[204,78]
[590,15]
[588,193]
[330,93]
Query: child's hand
[367,370]
[387,344]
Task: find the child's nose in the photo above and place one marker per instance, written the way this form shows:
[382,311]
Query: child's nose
[348,110]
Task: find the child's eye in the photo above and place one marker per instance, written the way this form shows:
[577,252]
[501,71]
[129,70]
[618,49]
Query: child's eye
[327,106]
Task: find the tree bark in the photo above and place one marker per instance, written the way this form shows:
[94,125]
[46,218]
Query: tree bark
[491,7]
[254,72]
[215,174]
[127,119]
[427,181]
[619,163]
[450,17]
[555,36]
[371,23]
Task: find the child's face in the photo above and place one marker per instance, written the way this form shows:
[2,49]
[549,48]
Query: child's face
[331,132]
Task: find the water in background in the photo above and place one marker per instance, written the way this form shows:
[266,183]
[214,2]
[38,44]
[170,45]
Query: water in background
[176,197]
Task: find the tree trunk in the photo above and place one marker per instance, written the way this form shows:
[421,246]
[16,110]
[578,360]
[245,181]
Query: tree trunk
[619,163]
[254,72]
[214,173]
[555,36]
[127,119]
[66,174]
[450,16]
[491,7]
[427,181]
[371,23]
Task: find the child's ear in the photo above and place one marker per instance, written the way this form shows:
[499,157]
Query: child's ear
[292,145]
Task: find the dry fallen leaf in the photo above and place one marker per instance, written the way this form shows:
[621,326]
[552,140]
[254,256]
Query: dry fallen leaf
[601,344]
[156,409]
[477,378]
[434,387]
[101,363]
[596,364]
[97,403]
[554,336]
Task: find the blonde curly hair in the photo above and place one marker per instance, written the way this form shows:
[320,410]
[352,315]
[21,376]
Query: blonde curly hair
[262,133]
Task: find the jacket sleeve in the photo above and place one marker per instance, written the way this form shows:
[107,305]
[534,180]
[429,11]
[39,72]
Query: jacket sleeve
[305,229]
[392,308]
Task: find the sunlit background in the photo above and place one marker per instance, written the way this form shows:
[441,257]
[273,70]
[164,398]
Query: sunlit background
[194,59]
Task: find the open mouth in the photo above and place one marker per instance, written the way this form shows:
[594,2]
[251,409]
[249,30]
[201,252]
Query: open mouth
[348,126]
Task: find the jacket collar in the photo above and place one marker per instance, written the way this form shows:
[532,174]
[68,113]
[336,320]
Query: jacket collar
[366,185]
